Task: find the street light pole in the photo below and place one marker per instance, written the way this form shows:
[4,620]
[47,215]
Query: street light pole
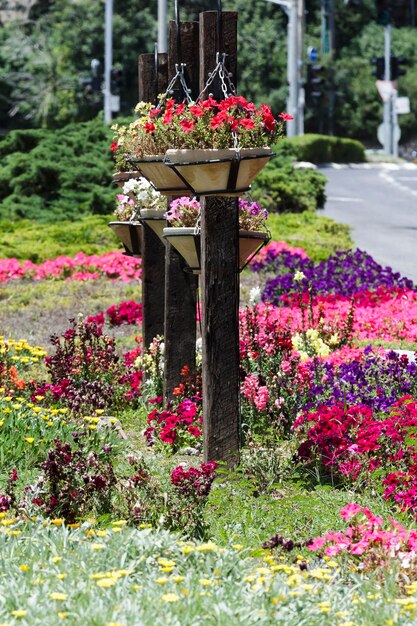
[162,26]
[108,59]
[293,64]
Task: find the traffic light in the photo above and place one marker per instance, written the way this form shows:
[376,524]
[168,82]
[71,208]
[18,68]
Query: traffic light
[379,69]
[383,12]
[396,69]
[315,81]
[396,12]
[116,78]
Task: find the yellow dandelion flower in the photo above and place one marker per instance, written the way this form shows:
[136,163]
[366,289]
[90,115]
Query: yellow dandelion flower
[18,613]
[62,614]
[161,580]
[61,576]
[57,521]
[106,582]
[207,547]
[170,597]
[177,579]
[24,567]
[205,582]
[29,439]
[57,595]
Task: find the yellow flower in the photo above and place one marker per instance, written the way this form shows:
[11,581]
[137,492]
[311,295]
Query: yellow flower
[170,597]
[61,576]
[56,595]
[161,580]
[62,614]
[57,522]
[101,533]
[97,546]
[29,439]
[18,613]
[24,568]
[114,624]
[120,522]
[177,579]
[205,582]
[207,547]
[106,582]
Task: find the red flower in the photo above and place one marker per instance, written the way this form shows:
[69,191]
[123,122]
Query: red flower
[154,113]
[247,123]
[286,117]
[210,103]
[113,146]
[196,110]
[187,125]
[149,128]
[168,117]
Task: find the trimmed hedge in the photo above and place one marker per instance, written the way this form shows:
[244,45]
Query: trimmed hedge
[322,149]
[283,189]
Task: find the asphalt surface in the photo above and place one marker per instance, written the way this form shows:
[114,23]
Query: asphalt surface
[379,202]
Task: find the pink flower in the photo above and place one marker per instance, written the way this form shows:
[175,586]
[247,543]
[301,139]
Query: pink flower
[350,510]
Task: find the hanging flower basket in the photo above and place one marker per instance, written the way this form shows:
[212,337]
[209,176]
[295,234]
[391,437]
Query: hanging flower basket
[130,234]
[120,178]
[163,179]
[223,172]
[154,218]
[187,241]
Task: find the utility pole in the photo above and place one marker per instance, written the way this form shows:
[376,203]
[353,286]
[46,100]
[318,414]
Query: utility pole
[300,40]
[388,131]
[328,50]
[162,26]
[294,63]
[108,59]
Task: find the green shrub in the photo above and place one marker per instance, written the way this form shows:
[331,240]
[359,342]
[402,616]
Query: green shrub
[288,190]
[38,242]
[50,175]
[322,149]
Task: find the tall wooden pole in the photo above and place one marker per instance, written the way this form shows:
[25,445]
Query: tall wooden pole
[180,284]
[153,250]
[219,277]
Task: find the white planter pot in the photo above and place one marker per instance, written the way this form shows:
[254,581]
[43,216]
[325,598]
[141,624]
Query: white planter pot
[160,176]
[188,244]
[154,218]
[218,172]
[130,234]
[120,178]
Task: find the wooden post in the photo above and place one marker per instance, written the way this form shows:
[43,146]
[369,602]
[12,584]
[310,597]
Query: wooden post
[180,284]
[153,250]
[220,279]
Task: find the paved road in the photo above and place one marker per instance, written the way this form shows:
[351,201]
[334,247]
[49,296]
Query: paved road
[379,202]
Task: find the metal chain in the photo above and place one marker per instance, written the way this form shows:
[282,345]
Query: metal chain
[226,85]
[179,75]
[197,227]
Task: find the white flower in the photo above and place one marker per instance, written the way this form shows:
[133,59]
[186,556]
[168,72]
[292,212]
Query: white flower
[298,276]
[199,345]
[255,295]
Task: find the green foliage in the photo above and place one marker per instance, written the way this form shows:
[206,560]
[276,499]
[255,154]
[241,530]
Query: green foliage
[24,239]
[322,149]
[54,175]
[319,236]
[288,190]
